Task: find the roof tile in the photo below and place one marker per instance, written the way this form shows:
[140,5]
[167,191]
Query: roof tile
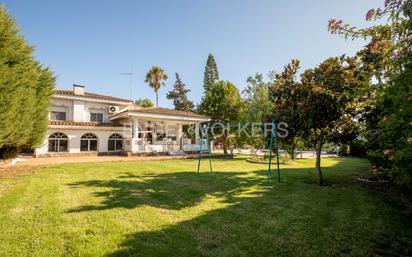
[85,124]
[89,95]
[165,111]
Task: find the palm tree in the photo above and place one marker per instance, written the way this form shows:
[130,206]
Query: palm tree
[155,77]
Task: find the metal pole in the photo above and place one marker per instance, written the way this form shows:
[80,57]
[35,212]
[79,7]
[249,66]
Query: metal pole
[200,155]
[277,148]
[210,155]
[270,152]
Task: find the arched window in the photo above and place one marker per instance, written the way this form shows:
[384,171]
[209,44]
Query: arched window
[58,142]
[115,143]
[88,142]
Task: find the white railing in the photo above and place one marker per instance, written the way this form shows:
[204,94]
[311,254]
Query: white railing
[194,148]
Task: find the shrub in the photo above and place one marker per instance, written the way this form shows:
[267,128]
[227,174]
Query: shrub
[390,131]
[8,152]
[358,148]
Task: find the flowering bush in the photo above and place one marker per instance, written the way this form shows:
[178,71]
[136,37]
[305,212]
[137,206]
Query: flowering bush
[390,130]
[388,112]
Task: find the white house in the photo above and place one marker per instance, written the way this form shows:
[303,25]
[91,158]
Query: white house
[86,123]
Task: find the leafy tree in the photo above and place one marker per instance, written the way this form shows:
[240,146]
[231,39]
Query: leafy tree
[286,109]
[223,104]
[388,57]
[390,44]
[144,102]
[155,77]
[179,96]
[322,107]
[25,90]
[258,109]
[211,74]
[389,130]
[256,97]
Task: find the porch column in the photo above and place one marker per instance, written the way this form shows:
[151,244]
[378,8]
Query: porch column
[135,128]
[179,136]
[135,140]
[197,135]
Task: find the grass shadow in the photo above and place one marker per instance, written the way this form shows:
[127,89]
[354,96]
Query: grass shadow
[292,219]
[169,190]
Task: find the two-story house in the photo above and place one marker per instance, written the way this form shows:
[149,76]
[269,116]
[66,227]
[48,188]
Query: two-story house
[88,123]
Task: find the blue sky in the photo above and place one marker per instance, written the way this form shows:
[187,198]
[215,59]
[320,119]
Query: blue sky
[91,42]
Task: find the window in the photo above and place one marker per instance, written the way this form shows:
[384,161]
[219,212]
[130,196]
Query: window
[57,115]
[58,142]
[115,143]
[88,142]
[96,117]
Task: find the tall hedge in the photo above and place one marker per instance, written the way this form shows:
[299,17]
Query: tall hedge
[390,130]
[25,89]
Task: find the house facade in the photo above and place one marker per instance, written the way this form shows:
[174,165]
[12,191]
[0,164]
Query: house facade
[83,123]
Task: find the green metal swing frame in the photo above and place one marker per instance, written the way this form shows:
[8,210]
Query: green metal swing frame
[273,140]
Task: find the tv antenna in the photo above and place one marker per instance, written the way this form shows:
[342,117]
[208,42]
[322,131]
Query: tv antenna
[130,74]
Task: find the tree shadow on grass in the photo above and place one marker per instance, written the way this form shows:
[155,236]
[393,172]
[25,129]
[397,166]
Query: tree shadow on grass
[170,190]
[282,221]
[292,219]
[185,189]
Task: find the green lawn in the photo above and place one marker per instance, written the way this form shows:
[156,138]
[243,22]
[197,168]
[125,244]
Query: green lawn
[164,209]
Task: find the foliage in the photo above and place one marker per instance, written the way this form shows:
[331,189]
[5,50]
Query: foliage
[291,145]
[344,150]
[256,97]
[321,107]
[258,109]
[8,152]
[155,77]
[390,130]
[390,45]
[286,108]
[388,57]
[211,74]
[358,148]
[25,89]
[144,102]
[223,104]
[179,96]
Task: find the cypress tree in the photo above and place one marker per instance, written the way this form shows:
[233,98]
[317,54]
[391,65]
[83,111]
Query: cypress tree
[179,96]
[211,74]
[25,89]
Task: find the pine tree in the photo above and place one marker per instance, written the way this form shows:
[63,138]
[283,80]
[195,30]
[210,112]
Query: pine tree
[25,89]
[211,74]
[179,96]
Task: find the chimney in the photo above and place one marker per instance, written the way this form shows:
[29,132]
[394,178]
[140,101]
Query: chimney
[78,89]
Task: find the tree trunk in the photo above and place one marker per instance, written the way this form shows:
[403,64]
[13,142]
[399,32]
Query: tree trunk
[319,177]
[157,99]
[224,147]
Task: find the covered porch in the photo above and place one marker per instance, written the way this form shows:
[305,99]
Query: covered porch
[161,130]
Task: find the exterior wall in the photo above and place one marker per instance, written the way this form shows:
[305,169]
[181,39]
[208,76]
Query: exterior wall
[74,136]
[78,110]
[63,105]
[91,107]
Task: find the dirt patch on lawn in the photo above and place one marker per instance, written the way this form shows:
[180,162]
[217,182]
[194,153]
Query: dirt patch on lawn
[14,171]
